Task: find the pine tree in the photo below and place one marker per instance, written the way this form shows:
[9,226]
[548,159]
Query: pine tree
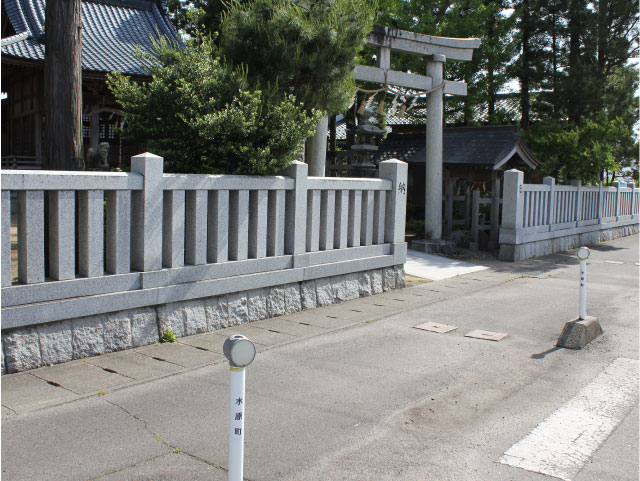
[308,49]
[198,17]
[487,72]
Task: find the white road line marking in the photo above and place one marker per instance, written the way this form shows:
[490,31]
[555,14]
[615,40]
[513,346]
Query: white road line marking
[564,442]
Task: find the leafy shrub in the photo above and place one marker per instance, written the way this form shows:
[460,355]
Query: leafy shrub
[415,226]
[202,116]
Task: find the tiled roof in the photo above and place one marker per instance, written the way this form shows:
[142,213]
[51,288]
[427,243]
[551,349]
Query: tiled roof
[111,32]
[490,146]
[507,106]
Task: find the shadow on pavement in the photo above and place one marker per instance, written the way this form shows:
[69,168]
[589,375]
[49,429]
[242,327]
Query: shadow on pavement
[542,355]
[605,248]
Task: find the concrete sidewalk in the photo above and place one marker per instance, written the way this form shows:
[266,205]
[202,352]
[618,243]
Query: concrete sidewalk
[53,385]
[437,268]
[349,391]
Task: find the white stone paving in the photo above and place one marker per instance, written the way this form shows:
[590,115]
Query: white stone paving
[436,268]
[564,442]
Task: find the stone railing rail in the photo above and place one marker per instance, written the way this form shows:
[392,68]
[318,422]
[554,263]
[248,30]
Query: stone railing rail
[539,213]
[90,243]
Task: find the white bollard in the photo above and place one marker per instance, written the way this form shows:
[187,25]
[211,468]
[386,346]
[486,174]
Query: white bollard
[240,352]
[583,289]
[583,255]
[236,424]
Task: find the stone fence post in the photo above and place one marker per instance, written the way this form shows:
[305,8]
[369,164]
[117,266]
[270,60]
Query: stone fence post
[6,238]
[512,200]
[551,182]
[396,203]
[146,214]
[578,205]
[600,202]
[617,186]
[295,234]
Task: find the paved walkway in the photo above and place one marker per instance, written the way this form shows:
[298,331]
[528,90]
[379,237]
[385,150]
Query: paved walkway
[349,391]
[53,385]
[437,268]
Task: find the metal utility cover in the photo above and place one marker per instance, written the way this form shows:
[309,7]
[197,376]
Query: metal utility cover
[488,335]
[436,327]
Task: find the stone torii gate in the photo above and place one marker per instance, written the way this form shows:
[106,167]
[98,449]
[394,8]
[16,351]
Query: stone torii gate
[435,50]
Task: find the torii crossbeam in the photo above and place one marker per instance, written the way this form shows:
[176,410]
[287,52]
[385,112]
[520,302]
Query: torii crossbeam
[435,50]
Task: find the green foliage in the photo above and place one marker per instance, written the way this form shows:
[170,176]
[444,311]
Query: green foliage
[578,54]
[585,151]
[308,49]
[415,226]
[620,95]
[203,117]
[573,49]
[487,72]
[168,336]
[197,18]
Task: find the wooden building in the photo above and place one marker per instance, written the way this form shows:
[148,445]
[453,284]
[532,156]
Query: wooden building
[473,157]
[112,31]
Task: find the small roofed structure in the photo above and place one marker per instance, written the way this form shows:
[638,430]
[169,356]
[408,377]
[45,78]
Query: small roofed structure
[471,155]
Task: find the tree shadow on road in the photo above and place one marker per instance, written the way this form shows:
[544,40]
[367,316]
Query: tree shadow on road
[606,248]
[542,355]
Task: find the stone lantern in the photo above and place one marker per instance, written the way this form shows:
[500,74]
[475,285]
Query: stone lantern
[363,141]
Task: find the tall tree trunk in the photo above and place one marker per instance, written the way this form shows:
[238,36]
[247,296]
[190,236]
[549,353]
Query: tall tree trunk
[554,54]
[63,85]
[574,108]
[603,28]
[491,82]
[491,97]
[525,69]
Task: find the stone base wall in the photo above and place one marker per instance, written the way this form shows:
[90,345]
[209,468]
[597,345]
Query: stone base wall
[45,344]
[518,252]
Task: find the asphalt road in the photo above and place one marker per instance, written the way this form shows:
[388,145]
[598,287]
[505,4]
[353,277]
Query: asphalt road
[372,400]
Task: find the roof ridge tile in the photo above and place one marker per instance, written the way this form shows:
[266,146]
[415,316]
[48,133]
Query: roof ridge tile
[113,30]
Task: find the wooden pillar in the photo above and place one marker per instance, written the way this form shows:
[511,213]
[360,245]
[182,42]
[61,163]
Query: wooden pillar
[475,213]
[495,211]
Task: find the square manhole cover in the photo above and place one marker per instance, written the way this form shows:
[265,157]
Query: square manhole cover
[488,335]
[436,327]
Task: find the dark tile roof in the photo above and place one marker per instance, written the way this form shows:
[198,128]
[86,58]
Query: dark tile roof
[489,146]
[507,106]
[111,32]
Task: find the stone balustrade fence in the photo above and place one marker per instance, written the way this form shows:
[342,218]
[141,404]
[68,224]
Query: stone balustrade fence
[541,219]
[91,243]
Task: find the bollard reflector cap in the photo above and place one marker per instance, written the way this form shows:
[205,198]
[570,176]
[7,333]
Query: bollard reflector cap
[583,253]
[239,350]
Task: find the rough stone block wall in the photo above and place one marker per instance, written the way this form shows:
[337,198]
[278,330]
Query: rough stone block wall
[45,344]
[518,252]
